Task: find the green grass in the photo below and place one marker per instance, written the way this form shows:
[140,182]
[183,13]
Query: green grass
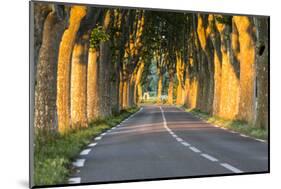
[235,125]
[53,155]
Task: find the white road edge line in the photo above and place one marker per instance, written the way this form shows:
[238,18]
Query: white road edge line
[231,168]
[194,149]
[74,180]
[260,140]
[92,144]
[85,152]
[79,163]
[98,138]
[211,158]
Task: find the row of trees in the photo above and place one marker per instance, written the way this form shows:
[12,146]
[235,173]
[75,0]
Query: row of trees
[93,62]
[88,64]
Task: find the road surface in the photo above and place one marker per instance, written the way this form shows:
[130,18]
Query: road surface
[163,142]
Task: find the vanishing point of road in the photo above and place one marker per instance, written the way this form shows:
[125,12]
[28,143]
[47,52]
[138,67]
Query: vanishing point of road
[161,142]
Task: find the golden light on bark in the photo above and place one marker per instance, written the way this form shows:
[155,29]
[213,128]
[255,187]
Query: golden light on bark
[247,67]
[63,75]
[159,88]
[171,88]
[179,72]
[92,85]
[138,88]
[78,90]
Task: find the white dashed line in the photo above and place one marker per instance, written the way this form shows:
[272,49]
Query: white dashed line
[194,149]
[92,144]
[211,158]
[179,139]
[85,152]
[174,135]
[74,180]
[98,138]
[185,143]
[79,163]
[231,168]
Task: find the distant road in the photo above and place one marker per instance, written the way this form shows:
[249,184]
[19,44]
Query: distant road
[165,142]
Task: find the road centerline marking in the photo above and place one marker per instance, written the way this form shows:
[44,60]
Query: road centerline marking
[196,150]
[211,158]
[185,143]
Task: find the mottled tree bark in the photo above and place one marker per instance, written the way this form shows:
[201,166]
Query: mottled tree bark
[63,80]
[247,67]
[78,89]
[46,77]
[180,76]
[137,88]
[92,85]
[171,88]
[262,72]
[159,88]
[229,99]
[104,71]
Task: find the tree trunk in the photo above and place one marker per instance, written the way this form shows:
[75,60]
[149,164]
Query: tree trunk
[262,73]
[229,99]
[78,89]
[137,88]
[125,93]
[247,67]
[180,88]
[63,80]
[92,86]
[159,88]
[171,89]
[46,77]
[104,71]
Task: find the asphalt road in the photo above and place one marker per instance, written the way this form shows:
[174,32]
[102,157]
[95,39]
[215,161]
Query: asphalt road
[164,142]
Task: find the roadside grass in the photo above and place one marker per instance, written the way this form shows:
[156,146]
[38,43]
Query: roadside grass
[53,156]
[234,125]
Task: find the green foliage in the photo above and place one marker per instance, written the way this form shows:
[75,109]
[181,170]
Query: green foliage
[235,125]
[53,156]
[98,34]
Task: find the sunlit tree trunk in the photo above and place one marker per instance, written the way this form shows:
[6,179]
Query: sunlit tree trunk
[40,11]
[121,86]
[159,88]
[125,93]
[137,88]
[171,88]
[204,29]
[247,67]
[63,80]
[229,99]
[92,85]
[180,72]
[262,72]
[46,77]
[104,71]
[132,91]
[78,89]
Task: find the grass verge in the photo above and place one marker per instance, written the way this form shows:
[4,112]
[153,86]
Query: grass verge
[234,125]
[53,156]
